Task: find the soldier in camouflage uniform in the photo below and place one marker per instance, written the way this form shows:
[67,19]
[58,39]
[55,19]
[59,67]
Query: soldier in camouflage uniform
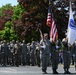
[74,53]
[12,52]
[55,55]
[23,53]
[0,51]
[4,52]
[66,56]
[38,56]
[17,50]
[32,53]
[28,54]
[45,48]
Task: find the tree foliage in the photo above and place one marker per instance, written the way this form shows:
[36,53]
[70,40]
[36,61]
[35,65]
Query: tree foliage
[5,15]
[60,9]
[17,12]
[30,15]
[8,33]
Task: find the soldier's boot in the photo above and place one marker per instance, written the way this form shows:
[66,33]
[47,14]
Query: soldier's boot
[65,71]
[38,65]
[68,71]
[54,71]
[44,71]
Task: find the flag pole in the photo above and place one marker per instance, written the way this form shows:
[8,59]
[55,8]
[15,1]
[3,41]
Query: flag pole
[51,15]
[70,6]
[51,9]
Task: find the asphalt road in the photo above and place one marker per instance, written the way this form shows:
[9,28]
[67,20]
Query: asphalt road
[31,70]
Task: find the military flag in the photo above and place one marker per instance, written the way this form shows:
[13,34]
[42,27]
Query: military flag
[71,33]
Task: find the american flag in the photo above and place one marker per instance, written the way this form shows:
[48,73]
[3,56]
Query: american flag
[51,23]
[49,19]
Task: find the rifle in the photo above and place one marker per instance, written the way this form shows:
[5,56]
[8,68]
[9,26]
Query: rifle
[42,38]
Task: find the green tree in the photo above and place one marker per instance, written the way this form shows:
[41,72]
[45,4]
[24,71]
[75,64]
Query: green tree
[4,7]
[8,33]
[5,15]
[39,9]
[29,15]
[17,12]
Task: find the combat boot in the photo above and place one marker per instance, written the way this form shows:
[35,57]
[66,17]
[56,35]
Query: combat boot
[44,71]
[54,71]
[65,71]
[68,72]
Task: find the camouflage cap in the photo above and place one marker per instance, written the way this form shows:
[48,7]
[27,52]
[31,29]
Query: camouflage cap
[4,41]
[1,41]
[23,41]
[63,39]
[33,41]
[13,40]
[28,43]
[17,41]
[45,34]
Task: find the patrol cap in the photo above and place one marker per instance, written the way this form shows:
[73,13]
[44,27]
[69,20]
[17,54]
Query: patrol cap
[33,41]
[28,44]
[17,41]
[63,39]
[1,42]
[4,41]
[13,40]
[45,34]
[23,41]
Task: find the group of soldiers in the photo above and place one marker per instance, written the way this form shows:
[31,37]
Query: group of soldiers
[40,53]
[49,47]
[19,53]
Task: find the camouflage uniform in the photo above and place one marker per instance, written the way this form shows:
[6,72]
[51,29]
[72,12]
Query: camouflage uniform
[66,56]
[46,46]
[38,56]
[55,55]
[4,52]
[32,53]
[12,52]
[23,53]
[17,50]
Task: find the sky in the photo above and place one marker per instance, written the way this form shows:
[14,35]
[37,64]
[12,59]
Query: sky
[4,2]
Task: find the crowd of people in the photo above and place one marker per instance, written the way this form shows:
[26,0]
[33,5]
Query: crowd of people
[44,53]
[19,53]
